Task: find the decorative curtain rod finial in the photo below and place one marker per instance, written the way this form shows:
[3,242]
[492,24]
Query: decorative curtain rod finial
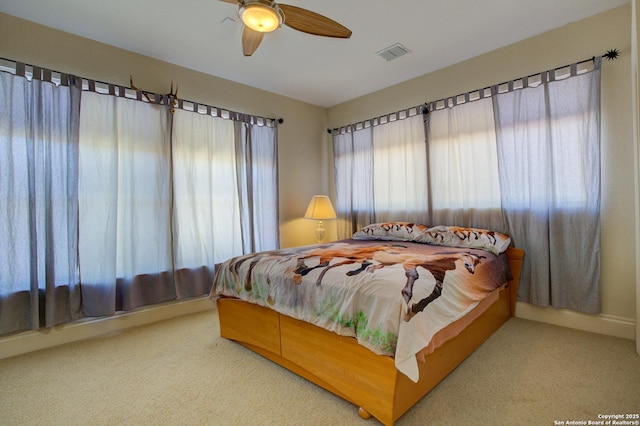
[611,54]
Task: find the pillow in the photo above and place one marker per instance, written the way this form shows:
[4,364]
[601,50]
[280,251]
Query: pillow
[392,231]
[492,241]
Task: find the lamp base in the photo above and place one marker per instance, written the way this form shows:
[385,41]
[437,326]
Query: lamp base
[320,232]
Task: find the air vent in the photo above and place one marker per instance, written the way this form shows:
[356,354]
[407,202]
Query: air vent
[228,21]
[393,52]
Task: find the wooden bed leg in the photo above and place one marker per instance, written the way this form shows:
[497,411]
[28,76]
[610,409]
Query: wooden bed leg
[364,414]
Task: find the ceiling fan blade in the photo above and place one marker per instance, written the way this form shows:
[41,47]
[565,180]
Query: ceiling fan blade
[312,23]
[250,40]
[230,1]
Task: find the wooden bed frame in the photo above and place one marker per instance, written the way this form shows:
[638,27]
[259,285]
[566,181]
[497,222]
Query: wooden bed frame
[341,366]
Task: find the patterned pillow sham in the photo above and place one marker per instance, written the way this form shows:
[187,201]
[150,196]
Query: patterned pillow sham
[492,241]
[392,231]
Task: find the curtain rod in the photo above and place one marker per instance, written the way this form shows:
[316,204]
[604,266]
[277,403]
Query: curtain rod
[46,74]
[405,113]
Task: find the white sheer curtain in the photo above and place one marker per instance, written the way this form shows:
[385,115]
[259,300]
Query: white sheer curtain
[39,284]
[463,166]
[549,157]
[124,198]
[400,172]
[164,197]
[204,179]
[381,170]
[353,162]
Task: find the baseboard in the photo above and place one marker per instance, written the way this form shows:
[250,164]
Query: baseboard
[29,341]
[602,324]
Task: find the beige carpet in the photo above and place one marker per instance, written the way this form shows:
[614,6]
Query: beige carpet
[179,372]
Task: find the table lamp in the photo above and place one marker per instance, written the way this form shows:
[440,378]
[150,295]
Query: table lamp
[320,209]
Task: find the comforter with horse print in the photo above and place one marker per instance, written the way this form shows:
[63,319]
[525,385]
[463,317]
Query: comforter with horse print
[392,296]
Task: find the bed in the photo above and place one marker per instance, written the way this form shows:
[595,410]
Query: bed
[378,319]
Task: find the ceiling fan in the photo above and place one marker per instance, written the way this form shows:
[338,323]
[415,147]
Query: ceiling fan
[264,16]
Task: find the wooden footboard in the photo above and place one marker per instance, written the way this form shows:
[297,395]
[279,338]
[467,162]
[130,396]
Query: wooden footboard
[341,366]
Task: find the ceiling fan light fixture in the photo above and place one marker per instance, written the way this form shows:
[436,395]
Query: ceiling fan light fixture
[260,15]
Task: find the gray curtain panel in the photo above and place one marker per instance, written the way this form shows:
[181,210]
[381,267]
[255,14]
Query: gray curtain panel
[256,168]
[39,283]
[548,139]
[353,162]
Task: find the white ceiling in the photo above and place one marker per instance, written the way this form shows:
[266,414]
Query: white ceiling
[322,71]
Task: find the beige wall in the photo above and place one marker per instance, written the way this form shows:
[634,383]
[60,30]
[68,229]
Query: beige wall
[571,43]
[303,170]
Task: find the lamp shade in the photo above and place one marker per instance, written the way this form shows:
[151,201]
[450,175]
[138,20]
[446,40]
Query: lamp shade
[320,208]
